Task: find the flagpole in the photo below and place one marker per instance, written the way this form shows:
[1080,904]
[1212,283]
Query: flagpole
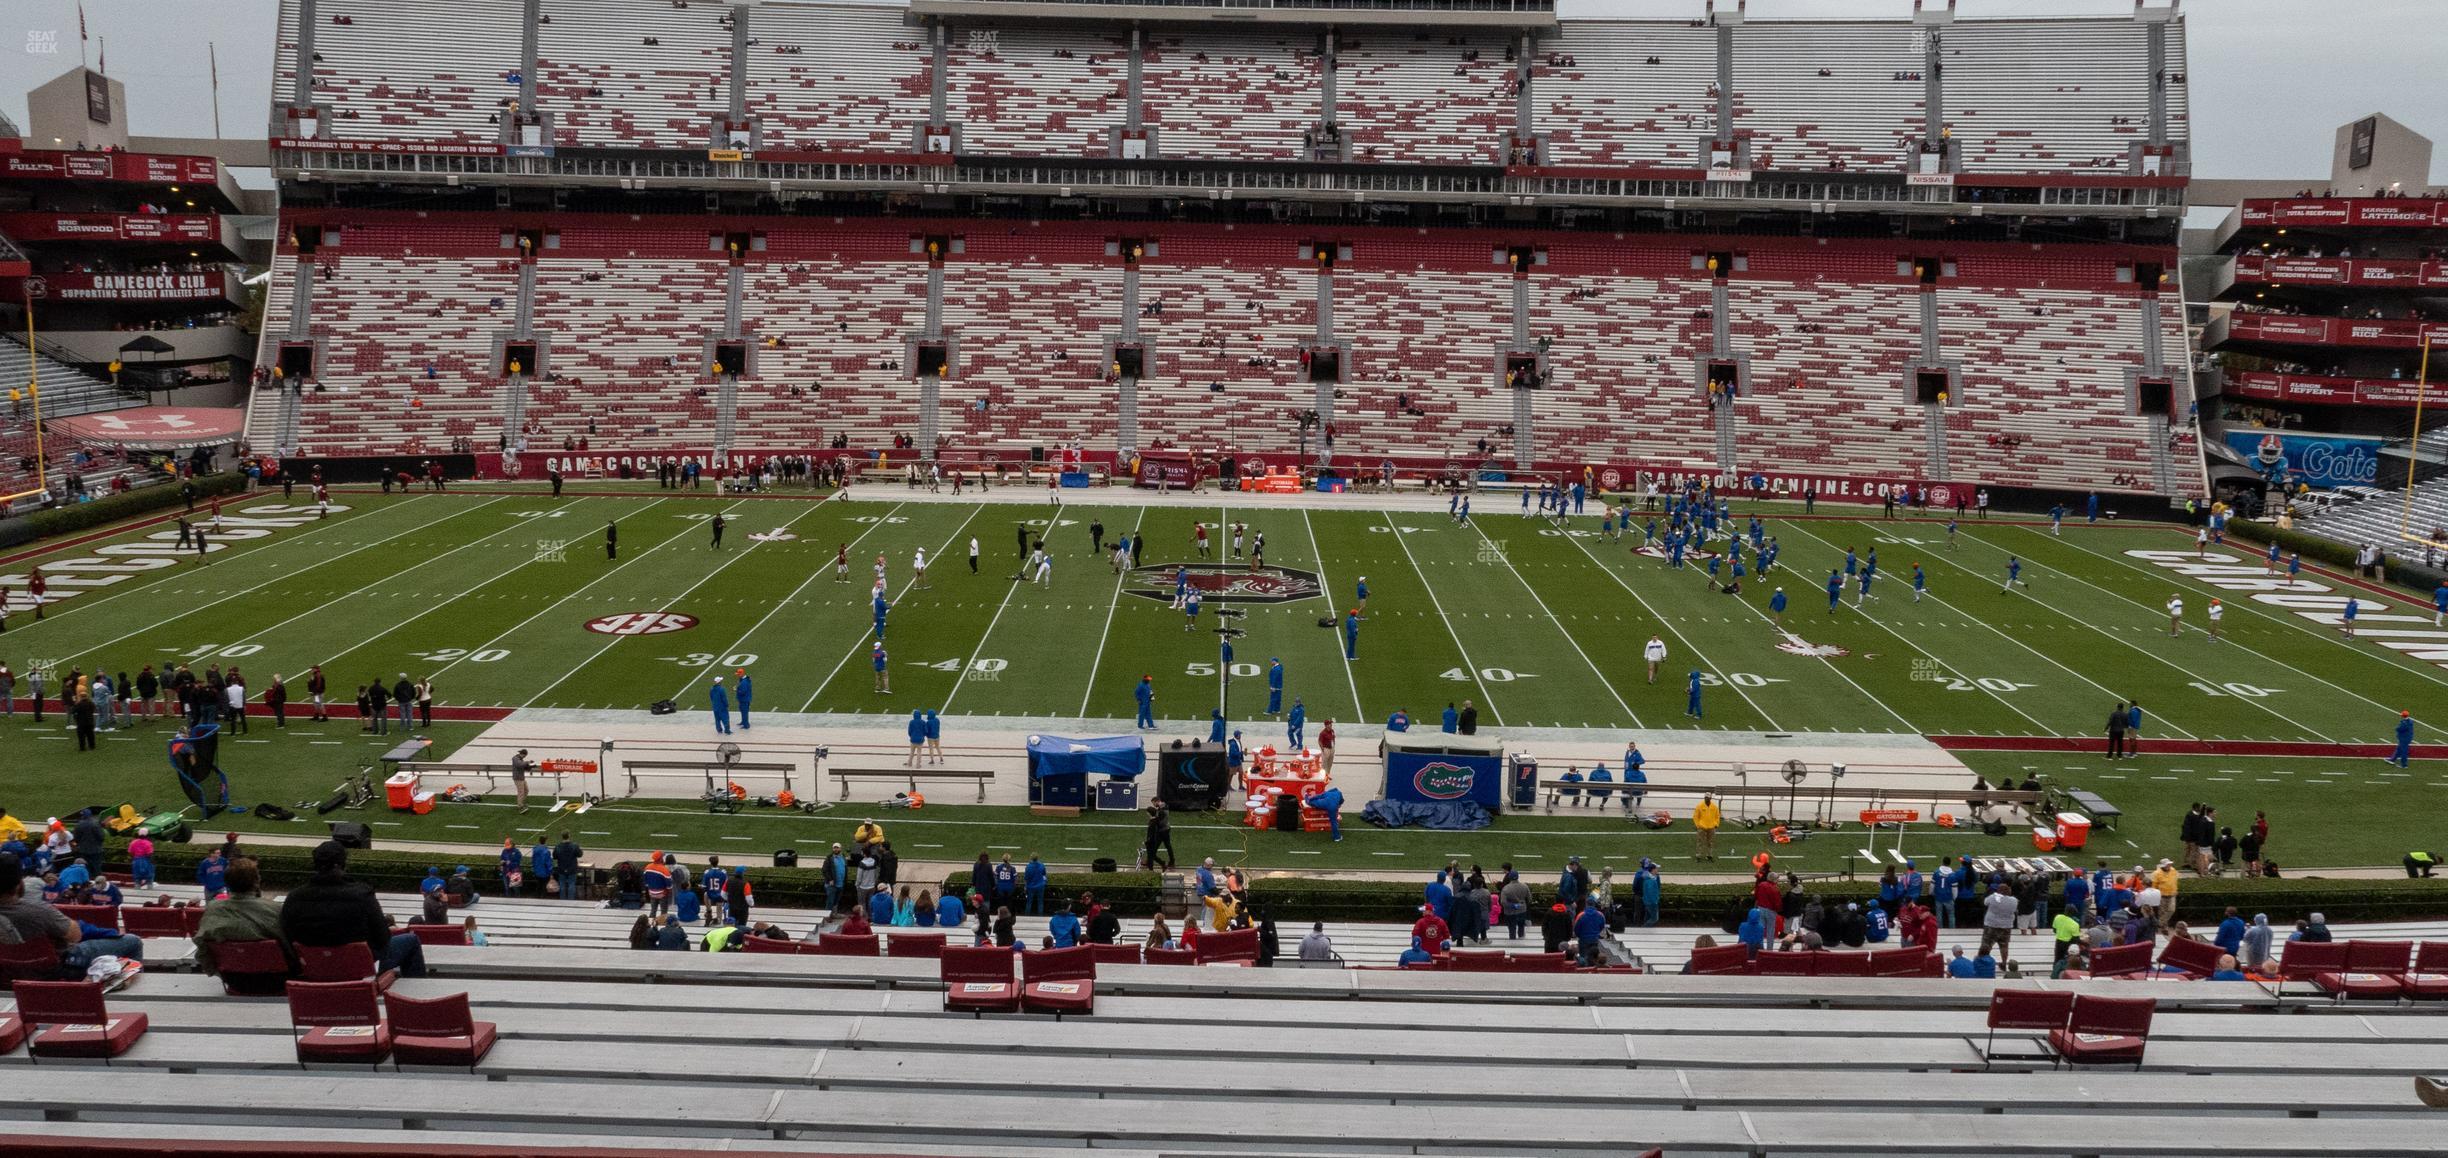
[42,463]
[212,54]
[82,36]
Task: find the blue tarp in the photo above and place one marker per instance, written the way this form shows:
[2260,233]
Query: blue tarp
[1448,816]
[1121,757]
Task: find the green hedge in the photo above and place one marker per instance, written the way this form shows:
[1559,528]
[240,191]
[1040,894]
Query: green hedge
[1288,899]
[112,508]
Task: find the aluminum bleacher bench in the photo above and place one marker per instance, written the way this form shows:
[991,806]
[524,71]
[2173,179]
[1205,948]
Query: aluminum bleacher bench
[909,776]
[2098,809]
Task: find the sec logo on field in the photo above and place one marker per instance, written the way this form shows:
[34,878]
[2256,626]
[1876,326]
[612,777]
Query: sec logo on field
[641,623]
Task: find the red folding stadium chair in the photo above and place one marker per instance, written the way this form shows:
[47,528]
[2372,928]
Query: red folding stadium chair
[1058,981]
[1479,961]
[437,1031]
[768,945]
[2307,960]
[2122,960]
[847,945]
[252,968]
[12,1032]
[2026,1009]
[1841,964]
[154,921]
[341,1019]
[70,1019]
[99,916]
[924,946]
[2104,1029]
[2429,980]
[1720,960]
[1240,946]
[978,978]
[350,962]
[2373,969]
[2187,957]
[1115,954]
[1170,957]
[439,934]
[35,960]
[1772,963]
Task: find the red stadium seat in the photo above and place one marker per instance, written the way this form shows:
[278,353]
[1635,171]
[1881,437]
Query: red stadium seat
[70,1019]
[252,968]
[350,962]
[1719,960]
[1058,981]
[1774,963]
[2025,1009]
[35,960]
[927,946]
[978,978]
[1115,954]
[1905,963]
[1835,963]
[1171,957]
[342,1020]
[2373,969]
[437,1031]
[157,920]
[1237,946]
[2307,960]
[2429,979]
[2105,1029]
[848,945]
[2122,960]
[2190,958]
[99,916]
[12,1032]
[439,934]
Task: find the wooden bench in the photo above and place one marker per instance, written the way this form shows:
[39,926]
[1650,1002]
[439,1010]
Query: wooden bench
[909,776]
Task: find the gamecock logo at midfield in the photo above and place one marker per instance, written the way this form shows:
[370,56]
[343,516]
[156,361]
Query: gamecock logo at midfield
[1224,583]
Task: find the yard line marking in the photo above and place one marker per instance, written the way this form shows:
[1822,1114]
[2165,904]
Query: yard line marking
[739,644]
[548,608]
[708,577]
[1883,625]
[445,603]
[1096,659]
[1472,666]
[1603,681]
[2293,621]
[125,589]
[187,611]
[734,838]
[864,640]
[1326,591]
[2052,660]
[1053,522]
[1696,652]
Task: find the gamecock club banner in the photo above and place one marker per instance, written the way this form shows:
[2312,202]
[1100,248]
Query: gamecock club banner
[119,287]
[110,227]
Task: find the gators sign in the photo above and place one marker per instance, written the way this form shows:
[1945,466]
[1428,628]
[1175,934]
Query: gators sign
[1438,780]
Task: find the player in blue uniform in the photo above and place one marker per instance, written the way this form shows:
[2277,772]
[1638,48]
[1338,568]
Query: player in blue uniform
[1920,583]
[1274,686]
[1692,706]
[1145,693]
[1776,606]
[1190,610]
[881,607]
[2014,575]
[2405,740]
[1864,597]
[2354,607]
[1351,634]
[1835,590]
[1951,543]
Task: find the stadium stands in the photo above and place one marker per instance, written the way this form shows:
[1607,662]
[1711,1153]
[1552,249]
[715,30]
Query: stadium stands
[608,78]
[383,74]
[1036,92]
[2030,96]
[408,350]
[1424,96]
[849,78]
[1230,95]
[1597,101]
[1828,96]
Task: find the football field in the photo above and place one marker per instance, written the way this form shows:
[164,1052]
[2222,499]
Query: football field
[507,600]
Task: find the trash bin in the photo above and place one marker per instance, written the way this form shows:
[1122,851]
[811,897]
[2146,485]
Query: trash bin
[2073,830]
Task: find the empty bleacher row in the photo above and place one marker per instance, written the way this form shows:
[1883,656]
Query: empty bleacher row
[751,1050]
[2047,96]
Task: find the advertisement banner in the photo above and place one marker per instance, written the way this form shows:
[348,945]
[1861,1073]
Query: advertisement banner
[109,227]
[120,287]
[437,148]
[2332,391]
[1445,777]
[2402,334]
[2377,212]
[143,168]
[2323,460]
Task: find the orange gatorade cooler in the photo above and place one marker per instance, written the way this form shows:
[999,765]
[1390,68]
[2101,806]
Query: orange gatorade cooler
[2073,830]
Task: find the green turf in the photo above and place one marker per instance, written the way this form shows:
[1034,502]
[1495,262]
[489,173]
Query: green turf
[1540,627]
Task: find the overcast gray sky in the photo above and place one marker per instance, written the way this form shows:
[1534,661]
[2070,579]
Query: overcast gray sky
[2271,78]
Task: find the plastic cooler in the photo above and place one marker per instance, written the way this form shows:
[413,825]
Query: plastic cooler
[2044,838]
[2073,830]
[400,791]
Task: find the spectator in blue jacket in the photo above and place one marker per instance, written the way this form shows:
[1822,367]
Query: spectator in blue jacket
[1754,931]
[1959,966]
[1600,775]
[880,908]
[1415,955]
[1440,898]
[1586,930]
[949,913]
[1633,775]
[1984,967]
[1649,887]
[1452,719]
[1006,882]
[2078,897]
[433,881]
[1875,925]
[540,862]
[1033,880]
[2230,938]
[1064,928]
